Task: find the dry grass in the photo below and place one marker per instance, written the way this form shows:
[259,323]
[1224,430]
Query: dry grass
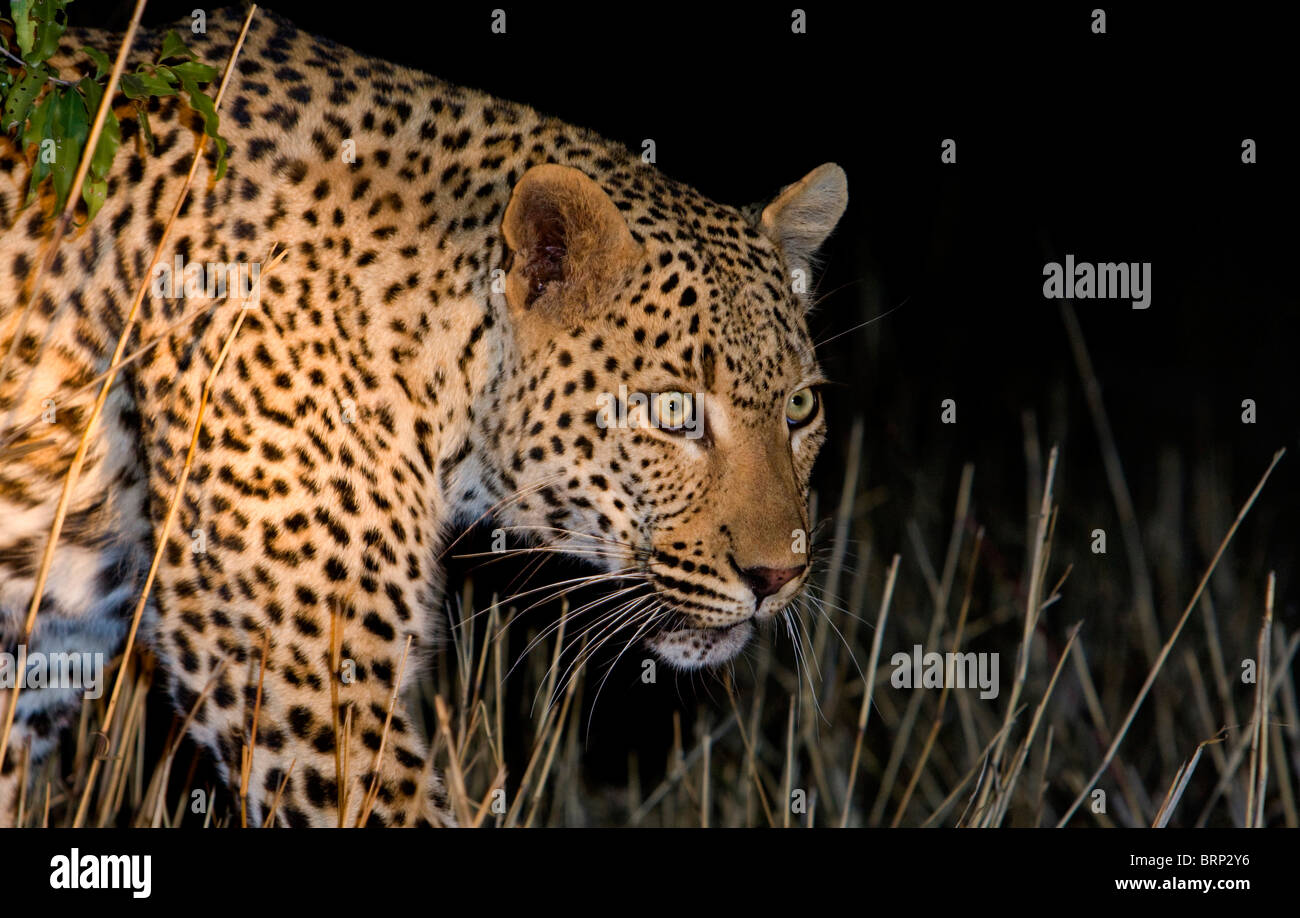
[856,751]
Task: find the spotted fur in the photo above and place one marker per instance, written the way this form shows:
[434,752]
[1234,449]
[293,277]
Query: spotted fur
[430,352]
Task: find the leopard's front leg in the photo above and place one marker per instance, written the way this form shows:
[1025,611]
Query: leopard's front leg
[314,718]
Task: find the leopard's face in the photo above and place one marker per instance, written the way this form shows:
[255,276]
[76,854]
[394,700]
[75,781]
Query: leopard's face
[665,416]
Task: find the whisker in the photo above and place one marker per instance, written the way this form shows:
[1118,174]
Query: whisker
[533,549]
[549,629]
[835,606]
[872,320]
[652,614]
[610,624]
[578,581]
[838,633]
[569,532]
[503,502]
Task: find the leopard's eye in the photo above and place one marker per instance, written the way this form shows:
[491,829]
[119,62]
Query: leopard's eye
[802,407]
[673,410]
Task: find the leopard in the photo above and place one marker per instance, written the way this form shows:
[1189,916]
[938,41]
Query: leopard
[451,290]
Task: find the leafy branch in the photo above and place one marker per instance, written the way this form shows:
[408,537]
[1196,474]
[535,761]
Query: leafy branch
[51,116]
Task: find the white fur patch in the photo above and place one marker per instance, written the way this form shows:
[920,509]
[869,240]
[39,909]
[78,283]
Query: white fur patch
[699,648]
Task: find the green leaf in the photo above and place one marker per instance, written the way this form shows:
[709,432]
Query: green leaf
[203,104]
[39,173]
[173,46]
[194,72]
[48,34]
[36,121]
[37,130]
[94,192]
[143,86]
[71,124]
[110,137]
[102,63]
[132,88]
[146,134]
[91,91]
[21,97]
[24,25]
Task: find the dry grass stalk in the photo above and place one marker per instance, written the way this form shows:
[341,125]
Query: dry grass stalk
[943,695]
[1176,789]
[455,778]
[246,759]
[1164,651]
[1008,784]
[1258,782]
[174,505]
[864,713]
[940,588]
[1238,754]
[159,787]
[1033,605]
[368,802]
[751,759]
[275,801]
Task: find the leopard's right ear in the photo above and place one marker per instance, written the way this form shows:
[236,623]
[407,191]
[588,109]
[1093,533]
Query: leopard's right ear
[805,213]
[571,250]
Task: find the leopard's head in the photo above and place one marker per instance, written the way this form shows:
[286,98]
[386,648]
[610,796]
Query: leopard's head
[665,410]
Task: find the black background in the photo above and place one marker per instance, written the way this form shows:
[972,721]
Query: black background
[806,869]
[1117,147]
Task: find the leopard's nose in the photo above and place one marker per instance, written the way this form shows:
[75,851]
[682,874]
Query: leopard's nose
[764,581]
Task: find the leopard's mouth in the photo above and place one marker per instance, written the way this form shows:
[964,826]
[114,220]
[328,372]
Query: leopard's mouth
[700,648]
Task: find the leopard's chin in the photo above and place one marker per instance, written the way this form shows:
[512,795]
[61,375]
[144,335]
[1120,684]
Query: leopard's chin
[701,648]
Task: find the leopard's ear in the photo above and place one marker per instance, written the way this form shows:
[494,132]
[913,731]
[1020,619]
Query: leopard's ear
[803,214]
[571,250]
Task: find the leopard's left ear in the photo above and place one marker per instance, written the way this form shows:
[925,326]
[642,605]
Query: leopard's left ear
[571,249]
[803,214]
